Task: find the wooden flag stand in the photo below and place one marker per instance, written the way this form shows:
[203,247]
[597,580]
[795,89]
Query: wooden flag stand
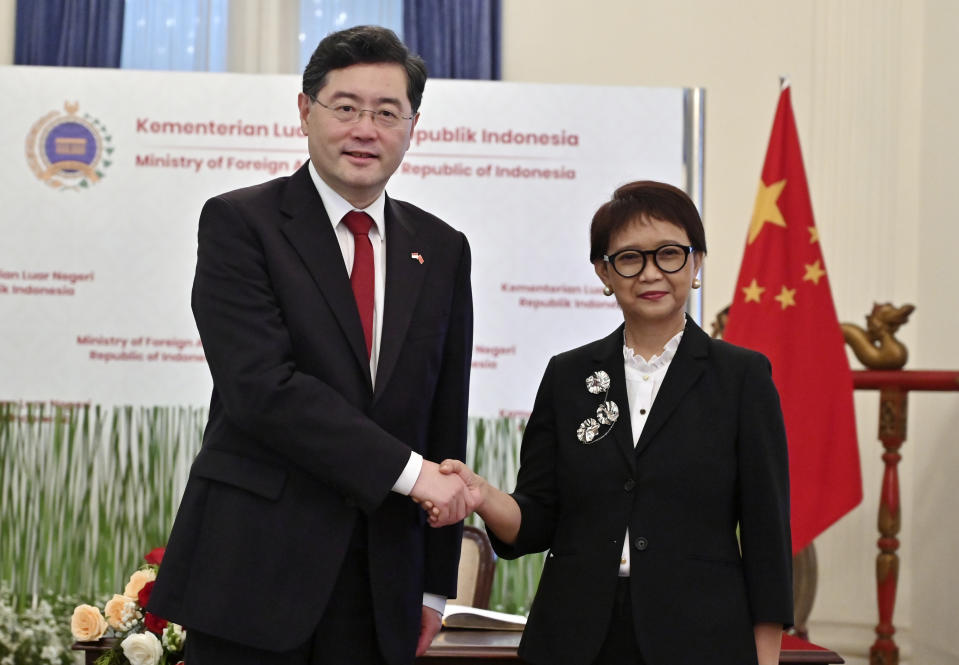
[894,387]
[884,356]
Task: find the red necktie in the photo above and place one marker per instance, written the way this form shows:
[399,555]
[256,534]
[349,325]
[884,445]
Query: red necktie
[361,276]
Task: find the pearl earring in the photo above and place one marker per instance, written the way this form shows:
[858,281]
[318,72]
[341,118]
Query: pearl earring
[696,283]
[607,290]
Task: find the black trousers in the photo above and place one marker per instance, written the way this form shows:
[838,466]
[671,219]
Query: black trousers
[620,647]
[346,634]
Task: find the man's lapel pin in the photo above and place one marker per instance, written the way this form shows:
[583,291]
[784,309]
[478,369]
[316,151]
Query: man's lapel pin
[416,256]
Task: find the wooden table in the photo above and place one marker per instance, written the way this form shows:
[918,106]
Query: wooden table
[492,647]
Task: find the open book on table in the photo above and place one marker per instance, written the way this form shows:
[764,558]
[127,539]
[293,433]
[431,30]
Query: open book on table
[463,616]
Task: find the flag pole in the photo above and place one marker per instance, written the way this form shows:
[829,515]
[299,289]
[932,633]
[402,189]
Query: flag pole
[694,121]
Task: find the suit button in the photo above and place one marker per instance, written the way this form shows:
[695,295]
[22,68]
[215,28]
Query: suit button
[641,543]
[630,484]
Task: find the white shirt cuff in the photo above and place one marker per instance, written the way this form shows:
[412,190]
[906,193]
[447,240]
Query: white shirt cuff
[404,484]
[434,602]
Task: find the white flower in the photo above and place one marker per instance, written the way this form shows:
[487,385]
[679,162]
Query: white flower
[597,382]
[173,637]
[142,649]
[607,413]
[587,430]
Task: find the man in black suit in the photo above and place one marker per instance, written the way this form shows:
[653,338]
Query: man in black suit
[337,324]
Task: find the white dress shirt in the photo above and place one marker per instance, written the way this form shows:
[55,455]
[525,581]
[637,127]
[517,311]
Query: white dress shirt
[336,208]
[643,379]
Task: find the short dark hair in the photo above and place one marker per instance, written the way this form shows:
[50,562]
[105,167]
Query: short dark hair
[650,199]
[364,44]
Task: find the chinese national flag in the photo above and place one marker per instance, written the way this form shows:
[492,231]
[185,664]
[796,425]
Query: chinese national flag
[783,308]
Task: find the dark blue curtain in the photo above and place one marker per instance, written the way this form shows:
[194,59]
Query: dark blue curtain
[459,39]
[69,33]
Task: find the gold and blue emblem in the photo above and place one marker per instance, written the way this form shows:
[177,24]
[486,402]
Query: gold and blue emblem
[69,151]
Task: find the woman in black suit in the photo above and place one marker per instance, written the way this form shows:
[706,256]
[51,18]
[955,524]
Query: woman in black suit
[645,453]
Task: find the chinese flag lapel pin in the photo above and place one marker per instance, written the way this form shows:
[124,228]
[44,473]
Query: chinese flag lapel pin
[416,256]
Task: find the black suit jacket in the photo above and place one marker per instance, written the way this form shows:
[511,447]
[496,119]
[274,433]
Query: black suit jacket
[299,442]
[712,456]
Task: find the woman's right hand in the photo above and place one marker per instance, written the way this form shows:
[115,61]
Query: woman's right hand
[500,512]
[475,483]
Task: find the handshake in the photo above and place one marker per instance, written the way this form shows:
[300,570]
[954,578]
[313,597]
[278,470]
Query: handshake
[448,492]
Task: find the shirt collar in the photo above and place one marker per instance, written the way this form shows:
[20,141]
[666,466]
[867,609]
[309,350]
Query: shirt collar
[656,362]
[336,206]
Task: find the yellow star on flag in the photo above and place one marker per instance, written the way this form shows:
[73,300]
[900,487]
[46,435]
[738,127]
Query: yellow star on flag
[786,297]
[813,235]
[766,209]
[813,272]
[753,292]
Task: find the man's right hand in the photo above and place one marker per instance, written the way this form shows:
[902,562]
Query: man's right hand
[445,496]
[499,510]
[476,485]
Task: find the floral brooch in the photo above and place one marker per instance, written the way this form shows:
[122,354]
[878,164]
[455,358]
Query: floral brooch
[607,413]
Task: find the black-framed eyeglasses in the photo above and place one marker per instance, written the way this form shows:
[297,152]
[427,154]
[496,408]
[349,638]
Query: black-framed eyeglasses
[384,116]
[668,258]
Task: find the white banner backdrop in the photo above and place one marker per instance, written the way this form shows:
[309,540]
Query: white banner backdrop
[99,212]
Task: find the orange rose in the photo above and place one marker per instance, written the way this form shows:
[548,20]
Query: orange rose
[114,611]
[87,624]
[137,581]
